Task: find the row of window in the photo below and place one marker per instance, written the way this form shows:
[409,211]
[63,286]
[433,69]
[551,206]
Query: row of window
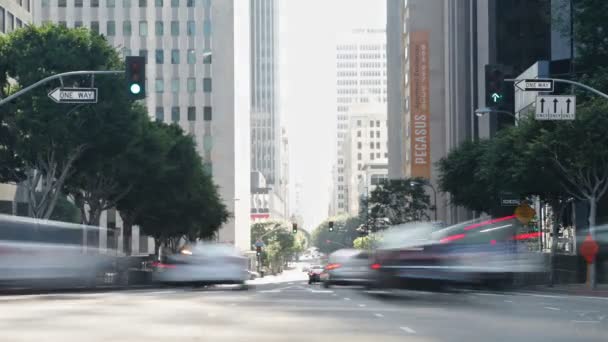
[371,123]
[26,4]
[159,85]
[371,134]
[190,111]
[159,27]
[8,21]
[371,157]
[125,3]
[371,145]
[159,56]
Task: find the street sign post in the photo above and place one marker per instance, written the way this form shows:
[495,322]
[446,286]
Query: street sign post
[74,95]
[535,85]
[555,107]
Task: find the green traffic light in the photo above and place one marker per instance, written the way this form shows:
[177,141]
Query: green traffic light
[496,97]
[135,88]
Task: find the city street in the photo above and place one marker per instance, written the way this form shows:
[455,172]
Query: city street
[296,311]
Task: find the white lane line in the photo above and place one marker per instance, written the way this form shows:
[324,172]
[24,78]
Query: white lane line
[408,330]
[346,298]
[335,294]
[377,292]
[585,321]
[552,308]
[321,291]
[210,314]
[379,315]
[232,304]
[508,301]
[361,305]
[555,296]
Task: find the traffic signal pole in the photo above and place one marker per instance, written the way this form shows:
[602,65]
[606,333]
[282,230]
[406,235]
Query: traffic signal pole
[58,76]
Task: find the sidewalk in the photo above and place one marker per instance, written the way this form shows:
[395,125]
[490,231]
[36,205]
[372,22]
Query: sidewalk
[571,289]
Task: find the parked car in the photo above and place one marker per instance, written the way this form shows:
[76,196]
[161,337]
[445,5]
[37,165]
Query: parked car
[347,267]
[314,275]
[203,264]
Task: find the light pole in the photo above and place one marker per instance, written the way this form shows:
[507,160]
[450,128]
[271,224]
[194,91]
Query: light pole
[483,111]
[427,183]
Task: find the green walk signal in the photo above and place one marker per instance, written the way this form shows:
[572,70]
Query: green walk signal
[496,97]
[135,73]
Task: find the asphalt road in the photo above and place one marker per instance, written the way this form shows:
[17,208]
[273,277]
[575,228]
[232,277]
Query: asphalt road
[295,311]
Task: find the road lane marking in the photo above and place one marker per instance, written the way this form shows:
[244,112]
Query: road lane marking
[585,321]
[346,298]
[508,301]
[379,315]
[552,308]
[321,291]
[210,314]
[361,305]
[377,292]
[232,304]
[408,330]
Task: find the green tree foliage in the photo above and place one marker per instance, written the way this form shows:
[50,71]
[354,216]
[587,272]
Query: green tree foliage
[399,201]
[345,231]
[280,244]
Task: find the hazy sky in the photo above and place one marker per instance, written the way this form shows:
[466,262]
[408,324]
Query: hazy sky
[308,30]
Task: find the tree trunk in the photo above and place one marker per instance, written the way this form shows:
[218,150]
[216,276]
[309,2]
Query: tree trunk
[592,218]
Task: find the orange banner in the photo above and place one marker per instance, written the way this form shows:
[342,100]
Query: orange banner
[420,114]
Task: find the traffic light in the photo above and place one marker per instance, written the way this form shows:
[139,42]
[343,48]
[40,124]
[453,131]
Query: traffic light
[295,228]
[136,77]
[258,250]
[495,86]
[331,226]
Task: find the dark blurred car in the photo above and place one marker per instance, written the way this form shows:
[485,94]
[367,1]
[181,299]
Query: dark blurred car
[203,264]
[347,267]
[480,253]
[314,274]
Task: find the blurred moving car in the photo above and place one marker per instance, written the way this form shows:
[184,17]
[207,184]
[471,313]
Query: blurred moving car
[347,267]
[314,274]
[203,264]
[480,253]
[50,254]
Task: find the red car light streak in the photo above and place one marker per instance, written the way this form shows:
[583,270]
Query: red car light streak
[485,223]
[453,238]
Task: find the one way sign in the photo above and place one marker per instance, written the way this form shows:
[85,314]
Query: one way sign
[555,107]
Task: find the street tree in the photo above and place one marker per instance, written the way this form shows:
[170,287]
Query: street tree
[52,137]
[345,231]
[399,201]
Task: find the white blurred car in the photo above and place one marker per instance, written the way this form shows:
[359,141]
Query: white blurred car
[203,264]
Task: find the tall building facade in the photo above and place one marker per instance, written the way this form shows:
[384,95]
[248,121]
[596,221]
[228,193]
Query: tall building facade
[360,79]
[266,130]
[365,144]
[14,14]
[198,67]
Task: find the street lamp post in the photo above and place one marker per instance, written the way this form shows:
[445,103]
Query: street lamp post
[427,183]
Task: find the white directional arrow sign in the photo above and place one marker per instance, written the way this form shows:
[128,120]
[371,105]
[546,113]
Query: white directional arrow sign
[535,85]
[74,95]
[559,107]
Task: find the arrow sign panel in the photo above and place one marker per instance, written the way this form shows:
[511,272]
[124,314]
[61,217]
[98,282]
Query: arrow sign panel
[535,85]
[558,107]
[74,95]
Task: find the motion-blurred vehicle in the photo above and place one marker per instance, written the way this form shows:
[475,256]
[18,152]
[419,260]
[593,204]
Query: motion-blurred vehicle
[50,254]
[479,253]
[314,274]
[347,267]
[203,264]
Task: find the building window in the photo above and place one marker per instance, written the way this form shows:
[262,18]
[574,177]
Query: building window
[126,52]
[207,112]
[378,155]
[160,114]
[95,26]
[159,85]
[371,124]
[190,3]
[207,28]
[359,145]
[78,24]
[174,56]
[377,134]
[191,56]
[158,3]
[371,145]
[1,19]
[61,22]
[126,28]
[371,134]
[358,134]
[207,57]
[175,28]
[159,28]
[191,28]
[207,85]
[191,113]
[377,123]
[62,3]
[371,156]
[143,28]
[144,53]
[126,3]
[160,56]
[378,145]
[175,85]
[78,3]
[94,3]
[111,28]
[44,3]
[191,84]
[359,156]
[174,3]
[143,3]
[110,3]
[175,114]
[358,123]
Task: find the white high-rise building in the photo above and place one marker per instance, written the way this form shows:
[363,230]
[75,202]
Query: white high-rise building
[365,143]
[198,68]
[360,79]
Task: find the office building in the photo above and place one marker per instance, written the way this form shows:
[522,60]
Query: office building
[365,143]
[360,79]
[266,130]
[198,67]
